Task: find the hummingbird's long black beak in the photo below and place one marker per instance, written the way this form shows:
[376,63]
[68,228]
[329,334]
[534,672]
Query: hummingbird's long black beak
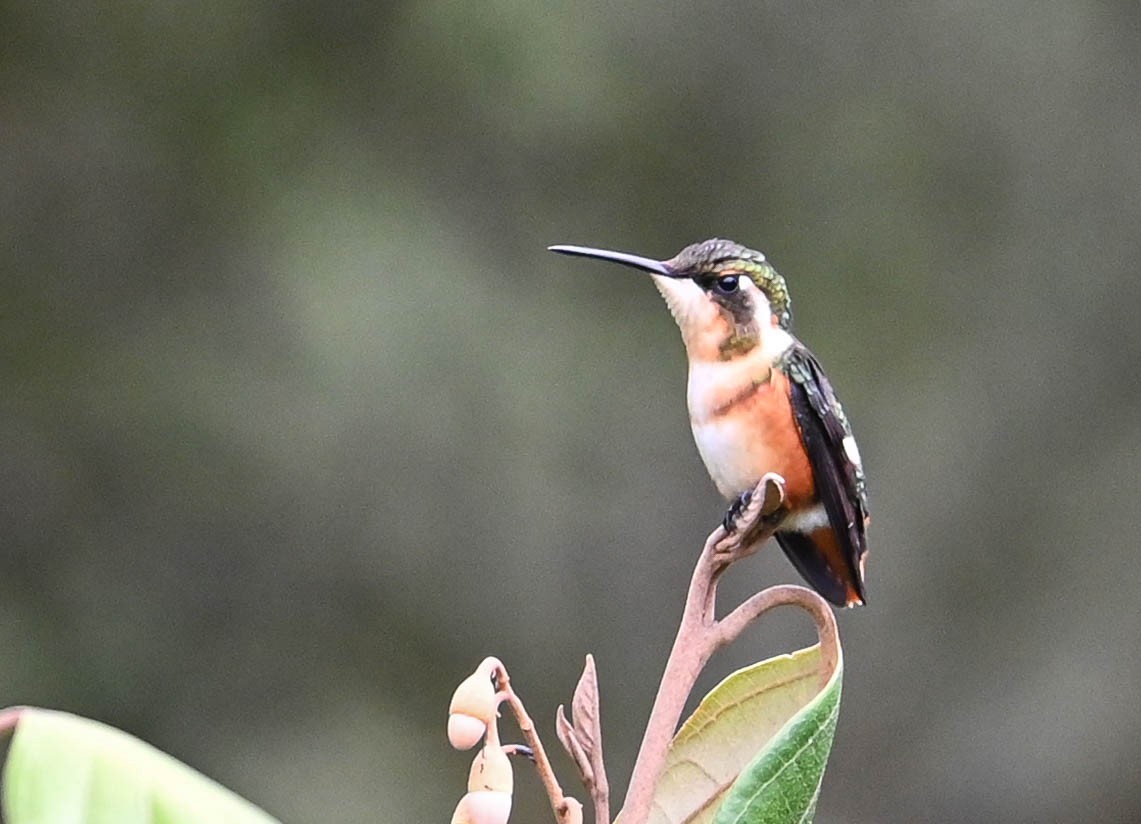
[636,261]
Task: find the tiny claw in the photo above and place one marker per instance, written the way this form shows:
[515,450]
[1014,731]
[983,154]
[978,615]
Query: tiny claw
[520,749]
[733,513]
[754,511]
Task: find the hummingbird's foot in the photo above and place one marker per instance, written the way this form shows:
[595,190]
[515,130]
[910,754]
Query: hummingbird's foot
[751,519]
[733,514]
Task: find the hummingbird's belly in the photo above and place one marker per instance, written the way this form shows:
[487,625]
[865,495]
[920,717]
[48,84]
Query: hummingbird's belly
[737,457]
[739,444]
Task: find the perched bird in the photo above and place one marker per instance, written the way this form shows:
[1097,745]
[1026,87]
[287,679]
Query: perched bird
[759,402]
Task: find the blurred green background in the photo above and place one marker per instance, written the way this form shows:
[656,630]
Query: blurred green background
[299,420]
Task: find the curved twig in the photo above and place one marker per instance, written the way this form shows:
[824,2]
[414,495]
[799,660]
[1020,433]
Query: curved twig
[701,634]
[733,624]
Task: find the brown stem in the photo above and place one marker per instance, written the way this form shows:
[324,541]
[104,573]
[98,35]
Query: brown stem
[733,624]
[567,810]
[701,634]
[691,651]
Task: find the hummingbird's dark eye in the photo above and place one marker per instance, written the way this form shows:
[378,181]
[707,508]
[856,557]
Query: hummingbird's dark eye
[726,285]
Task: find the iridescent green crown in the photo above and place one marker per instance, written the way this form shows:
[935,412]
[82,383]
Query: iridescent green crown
[712,257]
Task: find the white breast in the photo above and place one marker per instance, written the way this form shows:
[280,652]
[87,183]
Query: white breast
[732,453]
[722,448]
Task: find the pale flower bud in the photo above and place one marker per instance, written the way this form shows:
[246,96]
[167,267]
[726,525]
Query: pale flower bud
[473,707]
[464,731]
[483,807]
[489,784]
[491,770]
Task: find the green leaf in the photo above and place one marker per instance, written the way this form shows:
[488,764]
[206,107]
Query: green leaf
[62,768]
[781,785]
[754,749]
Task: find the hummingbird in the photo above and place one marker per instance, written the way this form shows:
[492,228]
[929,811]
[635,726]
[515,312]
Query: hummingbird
[759,402]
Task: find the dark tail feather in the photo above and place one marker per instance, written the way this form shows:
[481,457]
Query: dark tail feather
[826,574]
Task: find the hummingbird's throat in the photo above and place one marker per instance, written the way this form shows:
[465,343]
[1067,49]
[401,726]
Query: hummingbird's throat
[711,331]
[738,343]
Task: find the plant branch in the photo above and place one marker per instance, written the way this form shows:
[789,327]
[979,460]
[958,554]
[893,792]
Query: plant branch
[701,634]
[733,624]
[567,810]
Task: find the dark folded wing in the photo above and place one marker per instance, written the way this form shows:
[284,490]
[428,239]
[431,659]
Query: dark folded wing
[834,580]
[831,448]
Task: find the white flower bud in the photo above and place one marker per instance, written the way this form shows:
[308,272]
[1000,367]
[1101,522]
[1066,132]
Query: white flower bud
[465,731]
[483,807]
[491,770]
[473,707]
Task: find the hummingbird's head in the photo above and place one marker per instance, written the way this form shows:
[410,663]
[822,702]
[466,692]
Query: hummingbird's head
[723,295]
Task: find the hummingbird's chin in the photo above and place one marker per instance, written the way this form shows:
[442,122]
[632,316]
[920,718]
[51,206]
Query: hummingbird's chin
[687,304]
